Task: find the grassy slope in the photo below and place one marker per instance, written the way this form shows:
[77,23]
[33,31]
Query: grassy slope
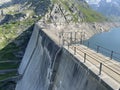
[11,34]
[9,48]
[89,14]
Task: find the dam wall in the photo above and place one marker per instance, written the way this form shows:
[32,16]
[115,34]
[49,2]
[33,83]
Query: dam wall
[48,66]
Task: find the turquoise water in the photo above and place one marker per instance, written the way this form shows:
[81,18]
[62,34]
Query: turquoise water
[107,42]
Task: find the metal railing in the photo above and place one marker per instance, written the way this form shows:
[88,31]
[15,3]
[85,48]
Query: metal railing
[79,38]
[96,62]
[72,40]
[100,49]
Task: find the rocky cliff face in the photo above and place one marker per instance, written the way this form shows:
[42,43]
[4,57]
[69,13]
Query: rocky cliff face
[61,12]
[66,13]
[69,10]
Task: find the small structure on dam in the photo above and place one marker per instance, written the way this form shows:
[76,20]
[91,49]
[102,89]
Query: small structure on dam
[53,63]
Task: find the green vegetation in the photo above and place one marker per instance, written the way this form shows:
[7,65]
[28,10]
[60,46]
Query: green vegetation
[90,15]
[7,75]
[11,30]
[7,53]
[8,65]
[13,40]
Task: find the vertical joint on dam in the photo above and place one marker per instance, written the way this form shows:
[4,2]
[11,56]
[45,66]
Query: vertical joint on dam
[55,68]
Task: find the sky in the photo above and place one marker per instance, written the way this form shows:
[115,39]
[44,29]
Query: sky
[4,1]
[96,1]
[90,1]
[93,1]
[108,0]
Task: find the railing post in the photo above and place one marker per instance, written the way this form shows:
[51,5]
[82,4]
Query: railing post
[74,50]
[98,48]
[62,41]
[84,57]
[68,46]
[70,37]
[111,56]
[81,38]
[75,37]
[59,38]
[88,44]
[84,36]
[100,69]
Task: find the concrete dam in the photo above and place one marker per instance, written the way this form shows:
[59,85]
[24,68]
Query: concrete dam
[47,65]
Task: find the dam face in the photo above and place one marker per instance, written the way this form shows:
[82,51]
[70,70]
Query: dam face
[47,66]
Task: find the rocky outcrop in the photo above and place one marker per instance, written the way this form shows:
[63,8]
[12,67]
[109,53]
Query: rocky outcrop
[58,14]
[88,29]
[12,18]
[71,11]
[70,15]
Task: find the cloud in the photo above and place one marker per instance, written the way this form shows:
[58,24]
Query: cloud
[4,1]
[108,0]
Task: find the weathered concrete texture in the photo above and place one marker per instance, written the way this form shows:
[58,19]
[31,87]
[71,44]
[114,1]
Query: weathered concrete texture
[37,62]
[73,75]
[29,51]
[46,66]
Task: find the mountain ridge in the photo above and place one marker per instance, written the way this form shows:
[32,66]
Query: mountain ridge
[110,9]
[81,8]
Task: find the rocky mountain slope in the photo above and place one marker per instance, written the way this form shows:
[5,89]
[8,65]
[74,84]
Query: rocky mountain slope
[109,8]
[73,10]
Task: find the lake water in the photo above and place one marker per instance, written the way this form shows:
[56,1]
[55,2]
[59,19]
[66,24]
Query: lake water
[107,43]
